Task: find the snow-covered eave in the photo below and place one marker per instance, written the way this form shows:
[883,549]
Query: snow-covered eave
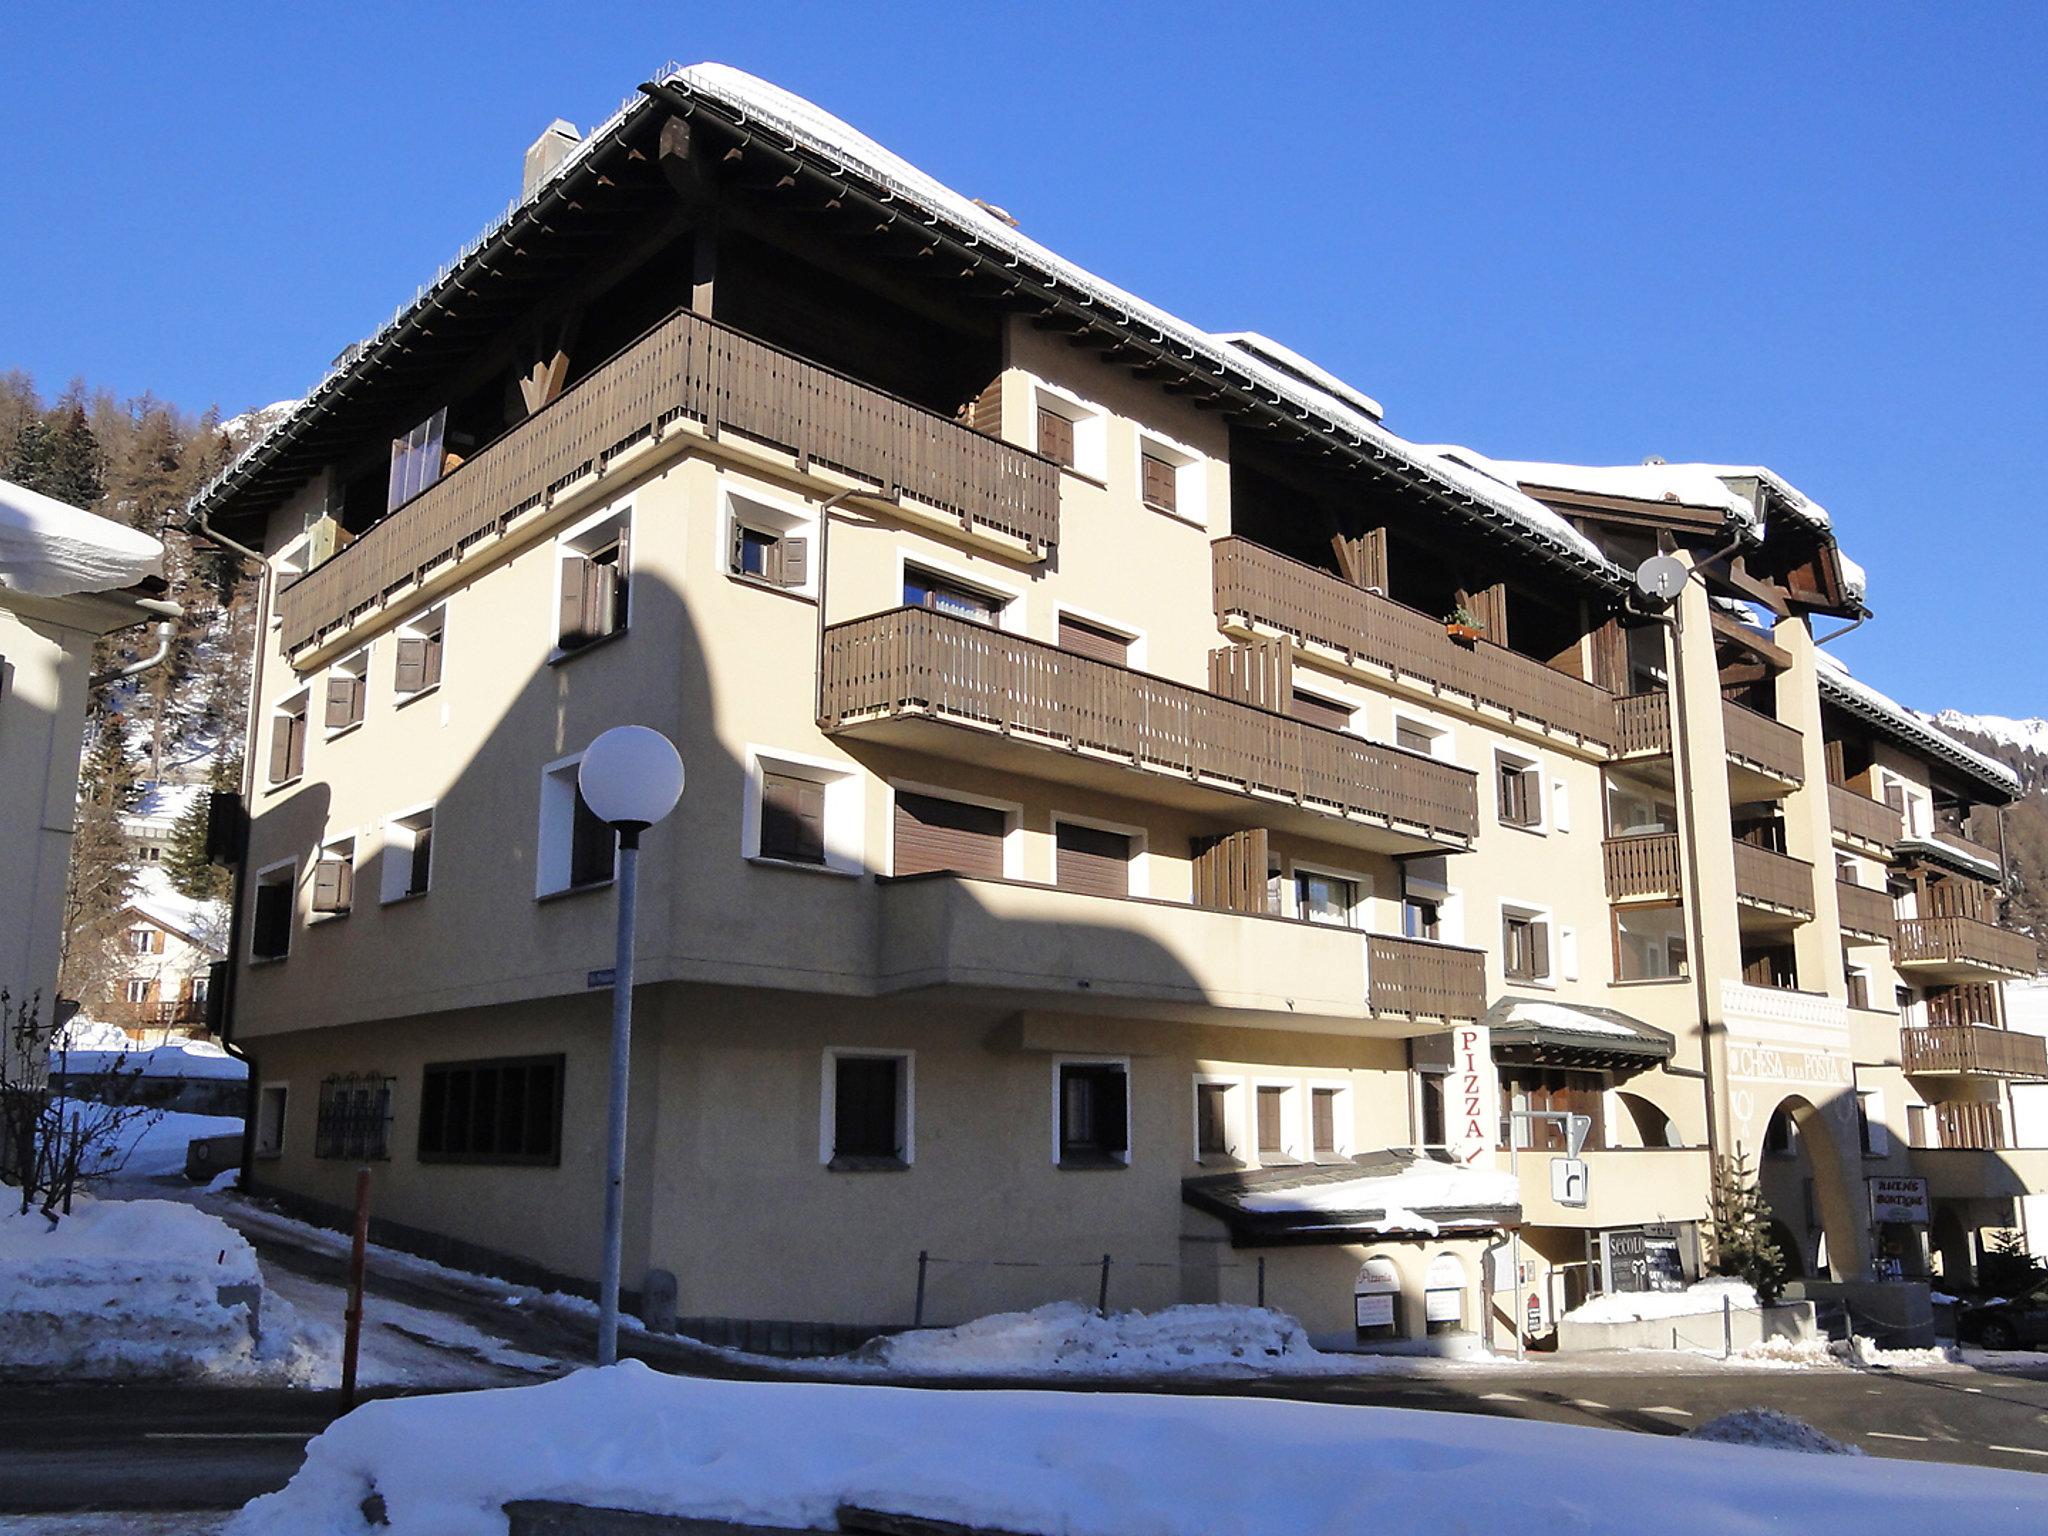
[1940,851]
[1910,731]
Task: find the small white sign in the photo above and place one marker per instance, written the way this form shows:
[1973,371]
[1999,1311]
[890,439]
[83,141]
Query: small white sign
[1569,1180]
[1375,1310]
[1443,1306]
[1898,1199]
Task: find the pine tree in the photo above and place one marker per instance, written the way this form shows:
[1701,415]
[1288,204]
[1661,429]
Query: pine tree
[185,862]
[58,455]
[1739,1229]
[102,865]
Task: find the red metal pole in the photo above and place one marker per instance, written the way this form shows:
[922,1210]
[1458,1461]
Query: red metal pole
[354,1334]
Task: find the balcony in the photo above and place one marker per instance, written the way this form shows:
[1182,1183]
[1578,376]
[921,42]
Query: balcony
[1973,1050]
[1765,758]
[1642,868]
[1960,949]
[687,369]
[1256,589]
[1865,913]
[1044,948]
[1763,745]
[965,691]
[1950,848]
[1863,823]
[1773,882]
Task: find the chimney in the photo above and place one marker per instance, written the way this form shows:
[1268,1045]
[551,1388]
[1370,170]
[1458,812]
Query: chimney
[547,152]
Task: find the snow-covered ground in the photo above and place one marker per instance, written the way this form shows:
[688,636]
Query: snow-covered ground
[1081,1464]
[1635,1306]
[152,1146]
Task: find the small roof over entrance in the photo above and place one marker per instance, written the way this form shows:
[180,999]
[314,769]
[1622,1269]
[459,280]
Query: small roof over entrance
[1534,1031]
[1399,1192]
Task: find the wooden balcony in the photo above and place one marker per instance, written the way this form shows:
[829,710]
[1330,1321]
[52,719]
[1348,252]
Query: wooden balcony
[1759,742]
[961,689]
[1960,949]
[1259,589]
[1973,1050]
[1861,822]
[1864,912]
[1765,756]
[1422,979]
[1773,881]
[1642,724]
[1642,868]
[686,368]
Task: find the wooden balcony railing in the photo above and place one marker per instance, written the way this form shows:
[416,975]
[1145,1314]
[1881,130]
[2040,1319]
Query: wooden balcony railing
[1973,1050]
[1419,978]
[1970,848]
[1767,878]
[1762,742]
[1862,819]
[911,661]
[1641,866]
[1967,1002]
[1261,587]
[1964,942]
[686,367]
[1865,911]
[1642,723]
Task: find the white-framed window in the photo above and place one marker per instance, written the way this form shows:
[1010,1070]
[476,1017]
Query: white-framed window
[575,850]
[1430,909]
[593,580]
[927,583]
[272,1100]
[1091,1111]
[1650,942]
[1414,734]
[418,653]
[1331,713]
[1219,1119]
[769,541]
[144,940]
[1333,897]
[288,739]
[137,990]
[1070,431]
[1527,953]
[1172,479]
[1276,1120]
[408,866]
[1100,858]
[1329,1121]
[1518,790]
[805,811]
[273,908]
[334,878]
[867,1109]
[348,692]
[1098,637]
[934,827]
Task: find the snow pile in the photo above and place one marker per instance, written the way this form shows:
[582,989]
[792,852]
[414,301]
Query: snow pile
[1772,1430]
[1637,1306]
[1067,1337]
[1079,1464]
[123,1289]
[1784,1354]
[49,548]
[149,1145]
[1868,1352]
[1840,686]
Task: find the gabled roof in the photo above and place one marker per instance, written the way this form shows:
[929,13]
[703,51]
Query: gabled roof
[1893,720]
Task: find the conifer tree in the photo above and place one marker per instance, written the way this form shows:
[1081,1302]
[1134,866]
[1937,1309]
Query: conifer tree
[1739,1229]
[102,879]
[185,862]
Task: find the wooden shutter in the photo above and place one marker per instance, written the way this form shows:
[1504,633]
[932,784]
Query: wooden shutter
[280,748]
[792,818]
[1488,605]
[344,700]
[1258,672]
[1092,861]
[1513,794]
[1112,1112]
[795,565]
[590,846]
[332,885]
[422,864]
[1158,482]
[1055,437]
[601,598]
[1270,1104]
[1610,657]
[574,627]
[1539,949]
[1324,1101]
[1211,1125]
[934,834]
[1414,739]
[431,658]
[1085,639]
[295,733]
[410,671]
[1230,871]
[1838,763]
[1330,716]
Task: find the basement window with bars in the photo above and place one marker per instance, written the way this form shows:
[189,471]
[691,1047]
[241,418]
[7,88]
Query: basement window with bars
[593,566]
[347,693]
[502,1111]
[1094,1114]
[868,1104]
[354,1119]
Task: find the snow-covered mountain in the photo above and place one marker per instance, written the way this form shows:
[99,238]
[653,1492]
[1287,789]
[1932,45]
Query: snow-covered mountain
[2021,735]
[244,429]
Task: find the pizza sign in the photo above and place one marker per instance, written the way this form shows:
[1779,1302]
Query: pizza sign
[1472,1097]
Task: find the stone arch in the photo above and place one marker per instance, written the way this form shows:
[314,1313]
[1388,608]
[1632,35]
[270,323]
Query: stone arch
[1652,1126]
[1829,1240]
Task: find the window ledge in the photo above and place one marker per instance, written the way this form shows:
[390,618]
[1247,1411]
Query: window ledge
[1090,1162]
[401,899]
[1651,981]
[760,585]
[1187,519]
[842,1164]
[568,891]
[268,1155]
[1219,1160]
[270,959]
[276,784]
[801,866]
[335,733]
[404,699]
[562,653]
[320,919]
[1081,474]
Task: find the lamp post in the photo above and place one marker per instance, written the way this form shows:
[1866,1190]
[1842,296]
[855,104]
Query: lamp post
[630,777]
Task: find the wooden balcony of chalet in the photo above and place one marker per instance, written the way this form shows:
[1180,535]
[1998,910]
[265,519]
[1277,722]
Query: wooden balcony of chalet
[1766,758]
[1862,823]
[692,371]
[1647,868]
[1865,913]
[1259,591]
[963,690]
[1422,979]
[1960,949]
[1772,882]
[1972,1050]
[1642,868]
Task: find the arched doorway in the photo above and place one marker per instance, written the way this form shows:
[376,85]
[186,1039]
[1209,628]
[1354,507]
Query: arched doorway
[1802,1177]
[1650,1126]
[1376,1301]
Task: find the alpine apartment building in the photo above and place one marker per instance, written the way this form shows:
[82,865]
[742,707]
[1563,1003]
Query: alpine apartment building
[1138,805]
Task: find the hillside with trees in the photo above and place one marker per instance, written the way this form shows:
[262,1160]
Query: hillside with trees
[2022,745]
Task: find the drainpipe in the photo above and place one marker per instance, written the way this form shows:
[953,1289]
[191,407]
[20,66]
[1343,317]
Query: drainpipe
[1855,623]
[150,662]
[824,575]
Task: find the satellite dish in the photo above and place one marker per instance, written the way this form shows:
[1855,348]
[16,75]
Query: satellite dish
[1661,577]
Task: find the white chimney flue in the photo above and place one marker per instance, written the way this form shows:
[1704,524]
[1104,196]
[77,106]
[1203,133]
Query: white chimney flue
[547,152]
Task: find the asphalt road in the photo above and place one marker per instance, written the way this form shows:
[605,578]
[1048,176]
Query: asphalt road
[138,1447]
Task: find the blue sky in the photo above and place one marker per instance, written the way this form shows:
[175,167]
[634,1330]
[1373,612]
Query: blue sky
[1589,233]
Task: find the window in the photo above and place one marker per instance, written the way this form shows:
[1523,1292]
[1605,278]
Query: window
[1551,1091]
[138,989]
[868,1107]
[347,692]
[506,1111]
[593,569]
[198,987]
[1649,943]
[1215,1105]
[145,941]
[354,1121]
[769,543]
[288,740]
[792,818]
[1056,436]
[1094,1114]
[1072,434]
[270,926]
[1092,860]
[1525,945]
[938,834]
[1323,1138]
[1871,1134]
[1431,1088]
[1272,1113]
[1317,710]
[576,849]
[270,1109]
[334,879]
[1858,984]
[1637,809]
[1170,481]
[1156,482]
[151,854]
[417,459]
[1415,736]
[925,589]
[416,667]
[1916,1125]
[1086,638]
[1325,898]
[408,855]
[1422,917]
[1519,783]
[803,810]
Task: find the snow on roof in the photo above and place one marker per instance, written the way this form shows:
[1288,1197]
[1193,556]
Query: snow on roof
[1860,698]
[162,801]
[49,548]
[1286,357]
[1404,1197]
[180,1058]
[1563,1016]
[1694,485]
[156,899]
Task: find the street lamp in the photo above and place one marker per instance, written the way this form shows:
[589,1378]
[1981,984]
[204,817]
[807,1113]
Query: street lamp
[630,777]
